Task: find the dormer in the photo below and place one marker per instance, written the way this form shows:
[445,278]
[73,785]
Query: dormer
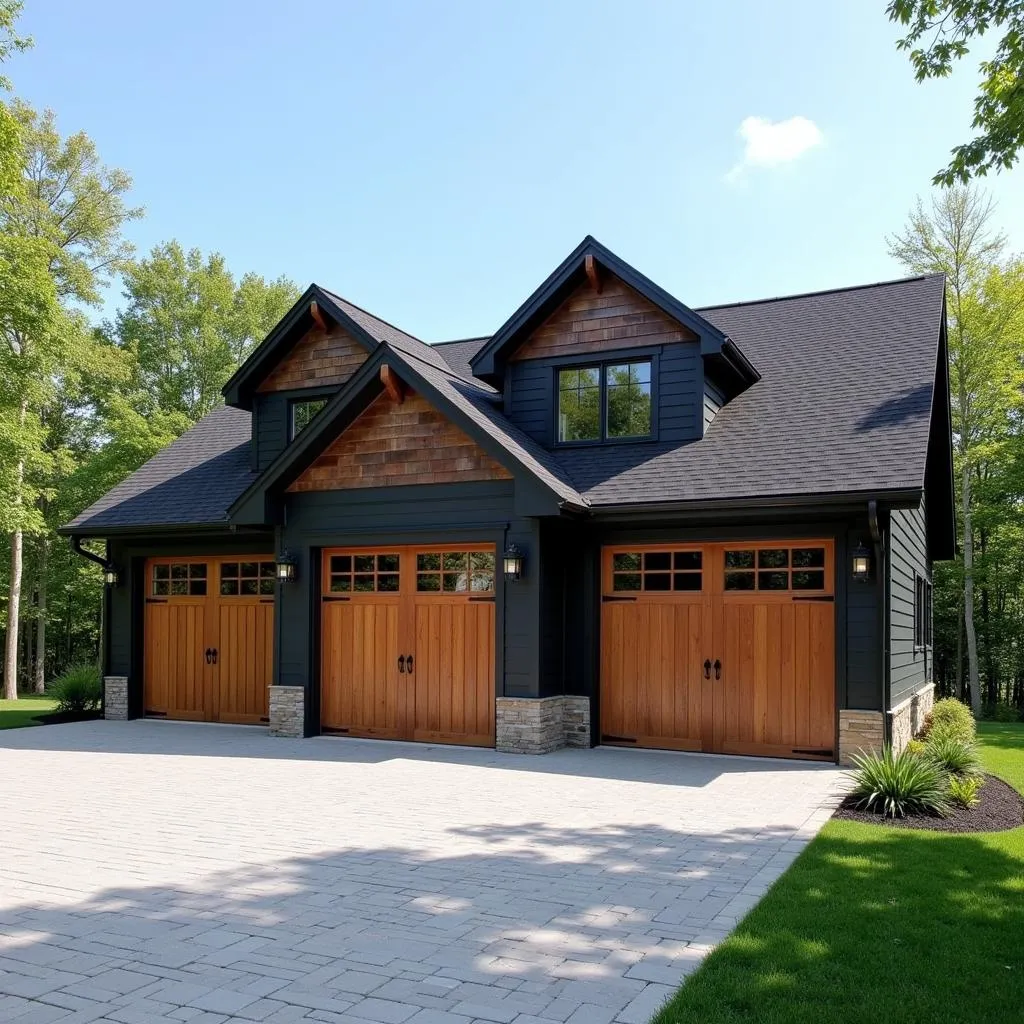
[600,355]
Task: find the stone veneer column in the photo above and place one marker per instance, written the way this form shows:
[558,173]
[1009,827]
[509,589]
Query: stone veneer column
[908,717]
[532,725]
[115,698]
[287,711]
[860,730]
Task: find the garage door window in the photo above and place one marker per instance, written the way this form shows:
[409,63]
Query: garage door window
[179,579]
[657,571]
[455,572]
[365,574]
[246,579]
[767,569]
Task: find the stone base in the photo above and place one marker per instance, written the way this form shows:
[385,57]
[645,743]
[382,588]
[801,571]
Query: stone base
[908,717]
[287,711]
[860,731]
[531,725]
[115,698]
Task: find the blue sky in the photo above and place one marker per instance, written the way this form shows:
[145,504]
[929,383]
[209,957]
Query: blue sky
[434,161]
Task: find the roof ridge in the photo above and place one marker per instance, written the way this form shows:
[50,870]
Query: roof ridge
[822,291]
[458,341]
[363,309]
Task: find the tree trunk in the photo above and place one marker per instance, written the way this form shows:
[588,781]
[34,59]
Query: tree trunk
[13,611]
[39,674]
[958,679]
[972,639]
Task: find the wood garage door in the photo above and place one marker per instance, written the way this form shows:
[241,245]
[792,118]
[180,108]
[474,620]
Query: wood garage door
[727,648]
[209,638]
[407,643]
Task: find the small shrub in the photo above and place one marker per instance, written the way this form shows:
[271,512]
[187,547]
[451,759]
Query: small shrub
[950,717]
[78,689]
[963,790]
[895,785]
[916,747]
[953,755]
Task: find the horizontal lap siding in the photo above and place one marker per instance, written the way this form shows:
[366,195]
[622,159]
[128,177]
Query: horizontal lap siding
[863,654]
[908,557]
[532,389]
[680,382]
[270,429]
[713,401]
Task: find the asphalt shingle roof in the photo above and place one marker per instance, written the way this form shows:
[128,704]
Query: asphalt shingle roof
[843,405]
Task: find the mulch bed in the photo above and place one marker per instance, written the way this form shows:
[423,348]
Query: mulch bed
[59,717]
[1000,807]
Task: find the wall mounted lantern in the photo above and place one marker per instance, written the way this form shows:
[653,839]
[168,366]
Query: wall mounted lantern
[513,563]
[861,566]
[110,575]
[286,566]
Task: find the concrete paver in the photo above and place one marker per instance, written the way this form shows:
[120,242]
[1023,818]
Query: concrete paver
[161,871]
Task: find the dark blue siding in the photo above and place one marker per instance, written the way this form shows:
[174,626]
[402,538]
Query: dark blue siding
[911,668]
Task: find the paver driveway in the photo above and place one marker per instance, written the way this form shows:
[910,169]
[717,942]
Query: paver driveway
[156,871]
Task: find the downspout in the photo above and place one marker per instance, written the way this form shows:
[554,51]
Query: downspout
[107,566]
[883,619]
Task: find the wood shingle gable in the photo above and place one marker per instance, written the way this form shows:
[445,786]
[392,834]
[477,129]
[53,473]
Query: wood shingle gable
[392,444]
[322,358]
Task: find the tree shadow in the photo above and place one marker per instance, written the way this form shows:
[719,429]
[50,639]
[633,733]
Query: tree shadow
[907,404]
[534,920]
[873,924]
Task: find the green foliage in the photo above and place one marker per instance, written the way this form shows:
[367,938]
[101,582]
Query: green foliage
[10,41]
[78,689]
[895,785]
[940,33]
[963,789]
[954,756]
[949,718]
[1001,713]
[916,747]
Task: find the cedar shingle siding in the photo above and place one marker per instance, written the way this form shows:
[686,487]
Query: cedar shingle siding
[319,359]
[585,323]
[395,445]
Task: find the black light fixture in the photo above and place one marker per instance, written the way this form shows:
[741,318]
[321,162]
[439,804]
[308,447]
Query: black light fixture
[513,563]
[861,564]
[110,575]
[286,566]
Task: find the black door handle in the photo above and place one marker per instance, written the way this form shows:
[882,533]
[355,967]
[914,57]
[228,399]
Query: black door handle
[401,663]
[215,655]
[707,668]
[209,656]
[408,664]
[718,669]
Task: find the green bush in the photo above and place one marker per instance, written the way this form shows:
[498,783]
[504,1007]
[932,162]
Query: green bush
[78,689]
[916,747]
[950,717]
[953,755]
[963,790]
[895,785]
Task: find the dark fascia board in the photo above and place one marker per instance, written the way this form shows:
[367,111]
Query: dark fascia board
[238,391]
[153,529]
[487,363]
[939,483]
[346,406]
[909,497]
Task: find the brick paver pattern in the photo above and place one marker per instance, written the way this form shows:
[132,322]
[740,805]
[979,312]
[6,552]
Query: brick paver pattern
[158,871]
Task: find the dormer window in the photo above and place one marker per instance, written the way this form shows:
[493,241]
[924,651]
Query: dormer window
[605,402]
[302,413]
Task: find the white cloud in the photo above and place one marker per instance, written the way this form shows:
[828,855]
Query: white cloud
[770,143]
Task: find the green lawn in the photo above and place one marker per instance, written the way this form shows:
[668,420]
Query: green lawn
[16,713]
[873,924]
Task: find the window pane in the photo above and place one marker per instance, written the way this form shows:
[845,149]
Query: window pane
[429,561]
[161,572]
[179,586]
[229,588]
[228,569]
[688,581]
[579,405]
[739,581]
[250,587]
[658,560]
[625,563]
[773,581]
[364,563]
[341,563]
[248,570]
[456,581]
[483,580]
[687,560]
[739,560]
[626,581]
[483,560]
[303,413]
[364,583]
[388,582]
[658,581]
[161,588]
[266,586]
[387,563]
[808,558]
[629,400]
[197,570]
[773,559]
[809,579]
[341,584]
[453,560]
[267,570]
[428,581]
[179,571]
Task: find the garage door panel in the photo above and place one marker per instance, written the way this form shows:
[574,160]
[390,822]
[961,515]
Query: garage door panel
[175,673]
[245,655]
